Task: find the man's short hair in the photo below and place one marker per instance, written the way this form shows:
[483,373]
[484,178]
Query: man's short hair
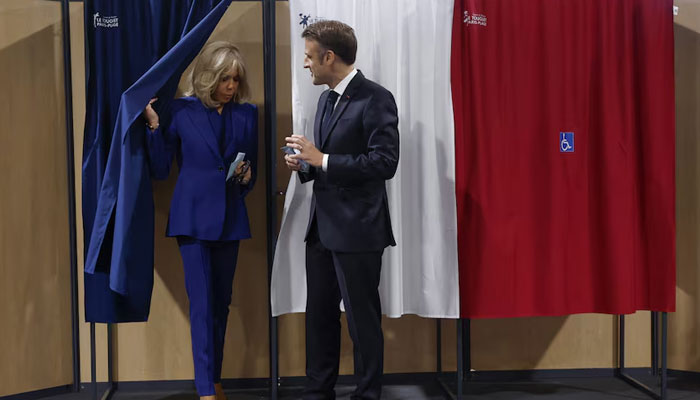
[335,36]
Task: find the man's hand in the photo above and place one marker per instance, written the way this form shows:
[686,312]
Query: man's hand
[292,163]
[308,152]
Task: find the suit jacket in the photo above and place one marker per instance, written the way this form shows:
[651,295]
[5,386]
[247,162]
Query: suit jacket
[205,206]
[349,200]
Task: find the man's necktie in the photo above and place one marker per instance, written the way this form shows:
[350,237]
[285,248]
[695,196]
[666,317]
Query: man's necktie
[327,112]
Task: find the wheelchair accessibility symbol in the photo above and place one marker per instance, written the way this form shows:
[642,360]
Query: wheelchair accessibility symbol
[566,142]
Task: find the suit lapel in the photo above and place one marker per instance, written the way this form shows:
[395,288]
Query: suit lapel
[337,112]
[201,124]
[345,99]
[317,121]
[233,124]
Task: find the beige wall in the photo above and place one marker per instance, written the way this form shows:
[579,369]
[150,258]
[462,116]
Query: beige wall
[684,325]
[35,330]
[30,50]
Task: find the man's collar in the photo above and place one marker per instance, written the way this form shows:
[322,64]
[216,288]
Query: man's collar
[340,87]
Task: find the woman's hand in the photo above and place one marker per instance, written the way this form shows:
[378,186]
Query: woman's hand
[243,173]
[239,169]
[247,176]
[151,116]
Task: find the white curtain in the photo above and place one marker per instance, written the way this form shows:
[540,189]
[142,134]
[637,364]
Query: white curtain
[404,45]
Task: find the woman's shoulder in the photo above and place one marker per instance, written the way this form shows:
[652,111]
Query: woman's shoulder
[247,107]
[186,104]
[244,110]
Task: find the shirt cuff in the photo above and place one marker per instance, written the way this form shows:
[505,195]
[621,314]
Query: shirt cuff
[324,166]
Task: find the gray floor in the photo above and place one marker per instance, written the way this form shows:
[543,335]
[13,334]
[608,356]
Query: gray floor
[575,389]
[566,389]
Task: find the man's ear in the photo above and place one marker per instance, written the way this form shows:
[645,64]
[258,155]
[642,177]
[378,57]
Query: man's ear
[329,56]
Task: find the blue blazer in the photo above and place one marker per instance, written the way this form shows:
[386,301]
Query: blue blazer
[204,206]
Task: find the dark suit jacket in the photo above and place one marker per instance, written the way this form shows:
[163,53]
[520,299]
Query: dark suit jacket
[349,200]
[204,206]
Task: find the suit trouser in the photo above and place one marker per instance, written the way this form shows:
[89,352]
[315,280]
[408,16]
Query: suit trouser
[354,277]
[209,270]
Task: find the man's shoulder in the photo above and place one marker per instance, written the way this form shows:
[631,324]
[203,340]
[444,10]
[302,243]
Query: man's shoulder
[374,86]
[376,91]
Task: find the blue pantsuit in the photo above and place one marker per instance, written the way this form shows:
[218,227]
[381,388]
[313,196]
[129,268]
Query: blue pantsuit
[209,270]
[207,214]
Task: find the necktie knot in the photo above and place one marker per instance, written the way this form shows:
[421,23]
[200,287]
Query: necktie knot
[332,97]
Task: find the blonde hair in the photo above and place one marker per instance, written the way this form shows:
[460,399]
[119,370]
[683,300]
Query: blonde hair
[215,59]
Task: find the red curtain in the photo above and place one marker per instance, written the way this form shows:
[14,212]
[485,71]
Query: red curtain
[586,224]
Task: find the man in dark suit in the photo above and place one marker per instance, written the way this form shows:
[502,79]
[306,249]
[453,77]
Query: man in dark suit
[356,150]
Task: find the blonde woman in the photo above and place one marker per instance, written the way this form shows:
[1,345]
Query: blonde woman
[207,130]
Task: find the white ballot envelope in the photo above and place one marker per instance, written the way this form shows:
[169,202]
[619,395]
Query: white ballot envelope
[234,165]
[304,164]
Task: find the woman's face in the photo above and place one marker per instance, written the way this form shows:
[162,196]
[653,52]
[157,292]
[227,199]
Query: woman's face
[227,87]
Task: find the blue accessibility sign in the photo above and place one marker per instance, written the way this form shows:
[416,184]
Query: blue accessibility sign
[566,142]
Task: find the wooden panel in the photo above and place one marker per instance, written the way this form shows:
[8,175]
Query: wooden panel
[684,325]
[577,341]
[688,12]
[22,19]
[409,345]
[35,339]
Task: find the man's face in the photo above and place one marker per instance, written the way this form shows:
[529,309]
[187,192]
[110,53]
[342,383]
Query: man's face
[313,60]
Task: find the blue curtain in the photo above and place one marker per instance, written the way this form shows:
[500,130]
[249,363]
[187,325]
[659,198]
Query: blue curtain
[137,50]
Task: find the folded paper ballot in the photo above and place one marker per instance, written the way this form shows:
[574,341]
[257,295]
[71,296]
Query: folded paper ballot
[304,164]
[234,165]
